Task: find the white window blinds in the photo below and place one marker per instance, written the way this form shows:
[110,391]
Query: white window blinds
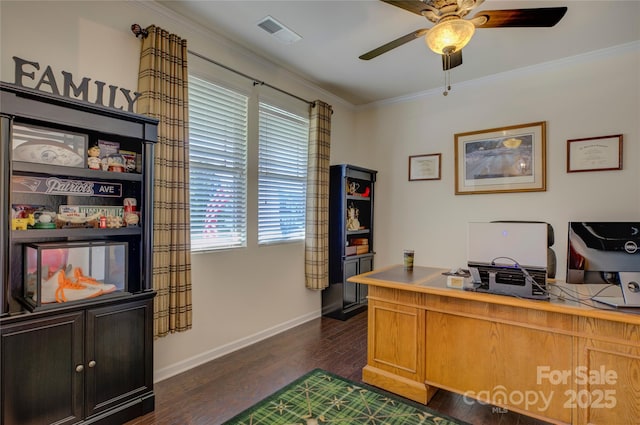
[282,174]
[218,161]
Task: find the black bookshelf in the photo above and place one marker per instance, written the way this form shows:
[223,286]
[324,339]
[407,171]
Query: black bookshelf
[351,243]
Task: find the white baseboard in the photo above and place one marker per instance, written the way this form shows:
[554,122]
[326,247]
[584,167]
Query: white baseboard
[190,363]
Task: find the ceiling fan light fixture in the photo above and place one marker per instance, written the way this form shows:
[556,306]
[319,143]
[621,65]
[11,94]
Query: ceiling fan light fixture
[449,36]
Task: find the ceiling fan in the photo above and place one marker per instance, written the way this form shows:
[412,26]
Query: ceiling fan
[451,32]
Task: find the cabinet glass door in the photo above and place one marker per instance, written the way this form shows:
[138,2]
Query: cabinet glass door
[4,200]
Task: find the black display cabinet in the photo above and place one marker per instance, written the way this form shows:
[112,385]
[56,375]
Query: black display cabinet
[351,247]
[76,304]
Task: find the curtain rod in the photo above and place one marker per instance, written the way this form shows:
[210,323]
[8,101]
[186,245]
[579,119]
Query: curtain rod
[256,82]
[138,31]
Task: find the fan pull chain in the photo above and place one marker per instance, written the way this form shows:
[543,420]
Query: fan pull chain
[447,73]
[447,83]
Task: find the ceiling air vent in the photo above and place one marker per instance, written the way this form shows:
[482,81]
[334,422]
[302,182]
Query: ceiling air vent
[279,31]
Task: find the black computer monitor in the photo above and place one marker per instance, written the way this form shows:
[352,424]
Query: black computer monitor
[598,251]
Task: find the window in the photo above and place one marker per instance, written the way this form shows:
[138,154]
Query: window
[218,161]
[282,174]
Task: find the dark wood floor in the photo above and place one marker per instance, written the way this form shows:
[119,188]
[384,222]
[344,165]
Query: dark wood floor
[219,389]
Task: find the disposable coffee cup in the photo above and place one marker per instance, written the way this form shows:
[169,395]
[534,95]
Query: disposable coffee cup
[408,260]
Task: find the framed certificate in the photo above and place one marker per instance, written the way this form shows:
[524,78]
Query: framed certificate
[594,154]
[425,167]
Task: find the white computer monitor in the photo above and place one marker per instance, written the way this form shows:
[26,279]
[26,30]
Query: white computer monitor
[508,242]
[509,258]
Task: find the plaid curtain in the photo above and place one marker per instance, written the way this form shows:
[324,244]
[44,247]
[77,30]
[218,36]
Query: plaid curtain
[316,261]
[162,82]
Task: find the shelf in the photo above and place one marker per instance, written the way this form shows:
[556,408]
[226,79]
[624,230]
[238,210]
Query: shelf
[34,234]
[118,295]
[356,256]
[358,232]
[46,169]
[358,198]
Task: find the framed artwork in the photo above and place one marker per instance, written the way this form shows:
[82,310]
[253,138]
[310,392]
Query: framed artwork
[500,160]
[594,154]
[425,167]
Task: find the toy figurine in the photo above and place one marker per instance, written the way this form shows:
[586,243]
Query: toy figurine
[131,218]
[115,162]
[22,223]
[93,161]
[352,218]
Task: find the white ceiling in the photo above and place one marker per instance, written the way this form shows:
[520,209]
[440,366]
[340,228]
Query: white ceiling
[335,33]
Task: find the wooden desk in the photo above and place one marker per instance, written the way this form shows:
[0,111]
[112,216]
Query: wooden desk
[559,360]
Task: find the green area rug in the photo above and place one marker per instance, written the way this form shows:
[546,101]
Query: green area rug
[321,397]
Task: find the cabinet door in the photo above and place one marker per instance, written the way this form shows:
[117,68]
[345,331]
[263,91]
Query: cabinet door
[350,290]
[42,371]
[119,354]
[366,265]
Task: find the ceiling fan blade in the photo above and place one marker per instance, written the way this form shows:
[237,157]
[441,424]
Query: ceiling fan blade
[542,17]
[413,6]
[452,60]
[393,44]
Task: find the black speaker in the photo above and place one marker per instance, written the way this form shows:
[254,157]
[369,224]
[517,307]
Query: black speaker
[551,263]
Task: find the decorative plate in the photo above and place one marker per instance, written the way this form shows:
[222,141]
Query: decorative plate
[47,152]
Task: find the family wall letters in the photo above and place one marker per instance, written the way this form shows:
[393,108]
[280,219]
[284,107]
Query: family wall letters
[99,93]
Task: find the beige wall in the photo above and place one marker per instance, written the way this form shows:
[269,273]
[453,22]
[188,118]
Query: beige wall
[243,295]
[239,296]
[578,97]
